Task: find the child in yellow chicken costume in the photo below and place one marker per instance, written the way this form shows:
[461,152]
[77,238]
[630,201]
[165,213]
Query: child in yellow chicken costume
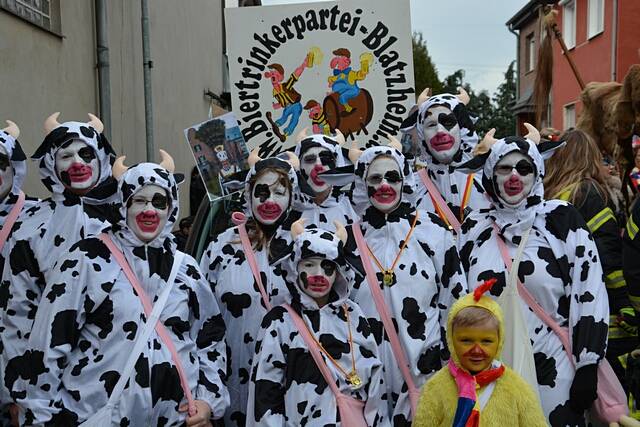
[475,388]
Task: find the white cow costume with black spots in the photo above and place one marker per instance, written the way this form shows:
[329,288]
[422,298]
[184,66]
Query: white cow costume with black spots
[287,388]
[453,130]
[47,230]
[13,169]
[320,153]
[87,323]
[227,269]
[427,280]
[559,267]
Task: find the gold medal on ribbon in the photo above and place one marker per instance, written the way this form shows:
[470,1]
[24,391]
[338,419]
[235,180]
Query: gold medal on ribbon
[387,278]
[354,380]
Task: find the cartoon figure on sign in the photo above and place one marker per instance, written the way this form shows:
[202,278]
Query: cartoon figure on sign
[348,107]
[286,96]
[226,167]
[319,120]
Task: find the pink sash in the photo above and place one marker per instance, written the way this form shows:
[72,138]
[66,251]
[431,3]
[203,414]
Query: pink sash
[437,198]
[611,403]
[385,316]
[148,307]
[11,219]
[351,410]
[240,220]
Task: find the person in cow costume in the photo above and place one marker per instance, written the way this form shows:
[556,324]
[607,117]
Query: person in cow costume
[75,165]
[319,154]
[245,295]
[558,265]
[13,206]
[318,345]
[413,263]
[128,331]
[446,136]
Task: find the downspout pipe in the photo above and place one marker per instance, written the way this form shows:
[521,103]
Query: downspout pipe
[147,65]
[512,31]
[614,42]
[102,53]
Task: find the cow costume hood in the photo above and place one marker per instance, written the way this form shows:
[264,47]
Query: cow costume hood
[91,134]
[112,315]
[18,162]
[360,196]
[560,267]
[513,220]
[450,182]
[337,206]
[129,183]
[317,242]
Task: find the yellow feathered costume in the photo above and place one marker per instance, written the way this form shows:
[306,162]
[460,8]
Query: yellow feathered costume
[512,402]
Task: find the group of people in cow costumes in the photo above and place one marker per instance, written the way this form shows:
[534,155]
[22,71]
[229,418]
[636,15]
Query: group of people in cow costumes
[358,287]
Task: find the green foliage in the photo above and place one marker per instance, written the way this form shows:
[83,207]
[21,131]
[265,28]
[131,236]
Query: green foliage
[425,73]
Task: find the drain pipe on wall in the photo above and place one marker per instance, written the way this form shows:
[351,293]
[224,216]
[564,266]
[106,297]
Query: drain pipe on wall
[147,64]
[614,43]
[102,52]
[512,31]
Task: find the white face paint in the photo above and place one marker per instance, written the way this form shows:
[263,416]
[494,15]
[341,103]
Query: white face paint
[316,277]
[514,176]
[269,198]
[77,166]
[148,212]
[441,134]
[6,173]
[384,184]
[314,161]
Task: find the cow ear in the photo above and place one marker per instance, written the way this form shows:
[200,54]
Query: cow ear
[547,148]
[179,177]
[411,121]
[474,165]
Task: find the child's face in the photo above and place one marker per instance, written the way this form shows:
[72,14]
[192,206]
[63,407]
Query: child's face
[316,277]
[476,346]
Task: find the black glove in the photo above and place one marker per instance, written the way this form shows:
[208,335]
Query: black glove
[584,388]
[632,377]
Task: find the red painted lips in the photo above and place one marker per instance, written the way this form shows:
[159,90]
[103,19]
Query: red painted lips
[148,221]
[269,210]
[314,175]
[513,186]
[442,141]
[318,283]
[79,172]
[385,194]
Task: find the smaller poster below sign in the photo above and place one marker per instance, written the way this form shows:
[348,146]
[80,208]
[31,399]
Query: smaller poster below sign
[220,153]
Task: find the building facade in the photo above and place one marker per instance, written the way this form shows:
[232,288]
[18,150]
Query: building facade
[603,38]
[49,64]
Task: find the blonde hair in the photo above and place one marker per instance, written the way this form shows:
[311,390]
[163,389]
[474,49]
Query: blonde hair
[578,161]
[475,316]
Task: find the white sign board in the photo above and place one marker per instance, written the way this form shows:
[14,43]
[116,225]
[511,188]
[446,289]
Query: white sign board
[344,65]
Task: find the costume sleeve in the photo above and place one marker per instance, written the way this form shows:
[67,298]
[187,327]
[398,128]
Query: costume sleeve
[208,331]
[429,411]
[210,263]
[60,318]
[631,255]
[453,283]
[588,301]
[266,402]
[20,292]
[375,409]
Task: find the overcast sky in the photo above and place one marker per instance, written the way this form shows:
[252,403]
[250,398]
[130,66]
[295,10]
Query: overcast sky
[467,34]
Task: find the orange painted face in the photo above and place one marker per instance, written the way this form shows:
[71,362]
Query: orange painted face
[475,346]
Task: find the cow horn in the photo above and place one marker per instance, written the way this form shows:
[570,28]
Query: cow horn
[253,157]
[119,168]
[302,135]
[167,161]
[533,134]
[341,232]
[297,228]
[424,95]
[394,143]
[463,96]
[340,137]
[12,129]
[354,152]
[294,161]
[486,143]
[96,123]
[51,123]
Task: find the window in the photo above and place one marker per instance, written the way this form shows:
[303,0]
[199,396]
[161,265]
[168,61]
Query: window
[530,52]
[595,19]
[569,116]
[569,23]
[43,13]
